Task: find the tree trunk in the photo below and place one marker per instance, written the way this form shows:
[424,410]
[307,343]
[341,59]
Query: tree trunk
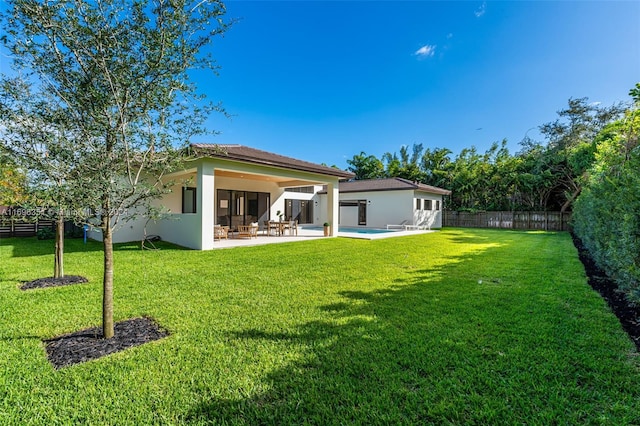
[107,282]
[570,201]
[58,264]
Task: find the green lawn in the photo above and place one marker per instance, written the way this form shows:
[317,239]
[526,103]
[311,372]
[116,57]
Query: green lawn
[331,331]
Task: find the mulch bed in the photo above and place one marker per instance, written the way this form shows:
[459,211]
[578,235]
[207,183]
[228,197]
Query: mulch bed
[627,313]
[89,344]
[53,282]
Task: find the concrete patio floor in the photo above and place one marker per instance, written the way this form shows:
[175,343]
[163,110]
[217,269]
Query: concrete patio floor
[306,234]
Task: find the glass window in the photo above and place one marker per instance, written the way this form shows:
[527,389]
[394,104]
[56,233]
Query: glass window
[303,189]
[188,200]
[362,212]
[418,204]
[437,204]
[427,205]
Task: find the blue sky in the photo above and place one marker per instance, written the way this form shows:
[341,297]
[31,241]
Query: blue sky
[324,80]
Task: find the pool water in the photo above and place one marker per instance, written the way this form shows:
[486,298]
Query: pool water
[365,230]
[354,230]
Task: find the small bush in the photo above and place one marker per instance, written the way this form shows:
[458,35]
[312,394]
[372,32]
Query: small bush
[73,231]
[46,234]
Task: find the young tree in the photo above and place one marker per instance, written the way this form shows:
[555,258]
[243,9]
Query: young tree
[34,134]
[120,69]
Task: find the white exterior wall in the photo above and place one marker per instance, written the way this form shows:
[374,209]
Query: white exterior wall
[383,207]
[125,231]
[319,209]
[173,201]
[349,216]
[181,229]
[387,208]
[429,218]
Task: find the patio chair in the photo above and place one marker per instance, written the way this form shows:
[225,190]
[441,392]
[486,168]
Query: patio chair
[271,225]
[293,226]
[254,227]
[247,231]
[220,232]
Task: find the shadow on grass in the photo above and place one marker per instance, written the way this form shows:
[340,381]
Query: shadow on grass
[31,246]
[395,356]
[17,338]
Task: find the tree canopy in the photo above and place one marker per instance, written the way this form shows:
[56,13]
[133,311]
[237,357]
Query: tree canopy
[119,69]
[544,175]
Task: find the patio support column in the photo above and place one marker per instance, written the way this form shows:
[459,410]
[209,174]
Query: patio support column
[205,204]
[333,206]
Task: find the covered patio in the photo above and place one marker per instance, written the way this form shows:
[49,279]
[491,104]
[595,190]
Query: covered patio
[233,186]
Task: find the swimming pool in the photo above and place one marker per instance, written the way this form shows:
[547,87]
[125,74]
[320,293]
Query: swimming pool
[365,230]
[354,230]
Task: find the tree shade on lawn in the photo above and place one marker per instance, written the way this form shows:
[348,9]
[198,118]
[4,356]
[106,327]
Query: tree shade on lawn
[458,326]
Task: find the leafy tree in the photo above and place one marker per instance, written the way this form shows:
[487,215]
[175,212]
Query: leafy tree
[436,167]
[121,71]
[13,182]
[406,165]
[35,135]
[366,166]
[570,149]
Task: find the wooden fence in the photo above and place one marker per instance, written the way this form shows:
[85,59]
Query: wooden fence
[12,227]
[547,221]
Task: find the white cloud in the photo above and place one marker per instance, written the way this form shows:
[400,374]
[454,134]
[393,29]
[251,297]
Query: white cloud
[426,51]
[481,10]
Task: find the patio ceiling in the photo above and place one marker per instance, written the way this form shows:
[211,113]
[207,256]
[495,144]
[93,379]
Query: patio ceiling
[280,180]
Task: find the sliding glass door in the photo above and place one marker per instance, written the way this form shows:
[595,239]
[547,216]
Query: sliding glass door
[234,208]
[300,210]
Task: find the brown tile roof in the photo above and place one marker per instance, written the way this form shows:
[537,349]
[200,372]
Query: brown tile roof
[390,184]
[251,155]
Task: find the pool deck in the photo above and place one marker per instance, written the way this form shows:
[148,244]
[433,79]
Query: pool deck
[307,234]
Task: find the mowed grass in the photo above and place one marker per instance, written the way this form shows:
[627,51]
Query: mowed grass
[453,327]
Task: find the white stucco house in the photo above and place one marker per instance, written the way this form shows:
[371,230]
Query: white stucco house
[232,185]
[376,203]
[235,185]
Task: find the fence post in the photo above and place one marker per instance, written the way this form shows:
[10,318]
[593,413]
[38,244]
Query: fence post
[546,220]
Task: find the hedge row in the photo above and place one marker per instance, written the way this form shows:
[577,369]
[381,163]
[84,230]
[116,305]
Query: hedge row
[607,213]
